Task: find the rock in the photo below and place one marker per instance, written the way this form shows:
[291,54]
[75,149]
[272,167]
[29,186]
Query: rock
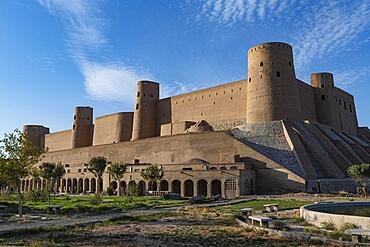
[172,196]
[198,200]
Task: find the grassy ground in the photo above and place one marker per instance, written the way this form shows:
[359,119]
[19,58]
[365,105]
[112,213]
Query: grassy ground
[95,204]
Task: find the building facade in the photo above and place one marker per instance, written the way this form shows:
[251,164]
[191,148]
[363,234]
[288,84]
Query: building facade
[196,126]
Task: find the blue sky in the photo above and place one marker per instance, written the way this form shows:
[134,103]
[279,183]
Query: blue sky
[57,54]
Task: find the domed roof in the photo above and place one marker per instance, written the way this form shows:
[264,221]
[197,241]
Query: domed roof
[196,161]
[200,126]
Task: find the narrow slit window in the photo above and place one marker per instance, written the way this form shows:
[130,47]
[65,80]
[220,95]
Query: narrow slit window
[323,97]
[261,64]
[278,74]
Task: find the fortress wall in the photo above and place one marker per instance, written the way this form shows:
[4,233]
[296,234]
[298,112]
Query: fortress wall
[307,98]
[214,147]
[215,104]
[58,140]
[347,110]
[36,133]
[113,128]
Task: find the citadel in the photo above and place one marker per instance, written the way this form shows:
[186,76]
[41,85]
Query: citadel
[268,133]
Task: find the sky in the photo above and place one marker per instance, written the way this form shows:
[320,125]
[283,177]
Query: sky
[58,54]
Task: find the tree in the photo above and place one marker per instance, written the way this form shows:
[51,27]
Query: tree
[117,170]
[36,176]
[52,173]
[97,167]
[17,156]
[153,174]
[360,173]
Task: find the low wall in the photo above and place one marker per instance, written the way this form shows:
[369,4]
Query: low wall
[315,217]
[332,185]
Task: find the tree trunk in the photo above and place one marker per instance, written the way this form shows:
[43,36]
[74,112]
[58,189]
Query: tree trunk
[98,185]
[20,210]
[118,188]
[49,192]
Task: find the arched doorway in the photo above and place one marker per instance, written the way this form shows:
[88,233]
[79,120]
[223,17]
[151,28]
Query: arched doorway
[230,188]
[247,188]
[80,185]
[93,185]
[74,185]
[152,186]
[216,187]
[113,186]
[64,184]
[252,187]
[100,184]
[189,188]
[69,185]
[141,188]
[176,186]
[202,187]
[123,188]
[132,188]
[87,185]
[163,186]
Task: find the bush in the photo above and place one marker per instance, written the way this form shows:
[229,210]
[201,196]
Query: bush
[347,226]
[328,225]
[110,191]
[36,196]
[280,225]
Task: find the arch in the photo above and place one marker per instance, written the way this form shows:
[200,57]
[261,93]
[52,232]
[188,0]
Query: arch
[152,186]
[213,168]
[31,184]
[216,187]
[123,188]
[64,184]
[141,188]
[74,185]
[247,188]
[230,188]
[100,184]
[189,188]
[87,185]
[252,187]
[176,186]
[80,186]
[163,186]
[58,187]
[222,168]
[233,168]
[132,188]
[93,185]
[69,185]
[23,185]
[202,187]
[44,184]
[113,186]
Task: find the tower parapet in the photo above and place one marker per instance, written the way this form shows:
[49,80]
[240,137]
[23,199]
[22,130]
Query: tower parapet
[145,115]
[36,134]
[272,87]
[322,80]
[82,130]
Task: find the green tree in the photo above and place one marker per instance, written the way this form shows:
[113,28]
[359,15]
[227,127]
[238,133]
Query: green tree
[52,173]
[17,156]
[97,166]
[153,174]
[361,174]
[117,170]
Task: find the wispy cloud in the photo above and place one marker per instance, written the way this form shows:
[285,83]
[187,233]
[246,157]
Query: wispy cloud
[231,11]
[85,27]
[329,29]
[345,78]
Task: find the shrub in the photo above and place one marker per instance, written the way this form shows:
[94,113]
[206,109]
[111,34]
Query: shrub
[36,196]
[347,226]
[328,225]
[110,191]
[280,225]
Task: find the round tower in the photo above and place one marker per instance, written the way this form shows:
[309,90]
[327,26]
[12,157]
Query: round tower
[322,80]
[145,114]
[82,130]
[36,134]
[272,87]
